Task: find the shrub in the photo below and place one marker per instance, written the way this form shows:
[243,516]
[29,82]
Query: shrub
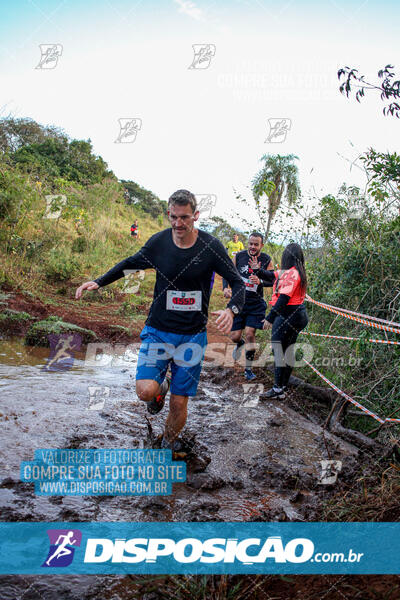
[80,244]
[60,266]
[38,334]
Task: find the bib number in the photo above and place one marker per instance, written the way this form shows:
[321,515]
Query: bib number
[183,300]
[250,286]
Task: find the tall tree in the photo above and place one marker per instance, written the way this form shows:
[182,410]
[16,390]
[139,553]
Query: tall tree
[277,180]
[16,133]
[144,199]
[221,229]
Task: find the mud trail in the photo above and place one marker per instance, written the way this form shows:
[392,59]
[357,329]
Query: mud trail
[251,459]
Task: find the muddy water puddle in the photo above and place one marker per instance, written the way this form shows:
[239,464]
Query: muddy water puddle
[263,457]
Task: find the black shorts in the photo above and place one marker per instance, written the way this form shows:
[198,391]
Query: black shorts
[252,315]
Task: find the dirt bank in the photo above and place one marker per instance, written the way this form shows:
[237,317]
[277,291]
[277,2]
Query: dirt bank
[105,319]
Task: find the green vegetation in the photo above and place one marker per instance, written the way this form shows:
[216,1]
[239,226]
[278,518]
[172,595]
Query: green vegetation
[388,88]
[38,333]
[356,266]
[64,216]
[145,200]
[15,315]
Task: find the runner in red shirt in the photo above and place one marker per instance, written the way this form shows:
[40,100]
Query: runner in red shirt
[135,233]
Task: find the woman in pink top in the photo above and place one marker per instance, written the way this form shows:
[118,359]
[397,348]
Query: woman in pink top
[288,315]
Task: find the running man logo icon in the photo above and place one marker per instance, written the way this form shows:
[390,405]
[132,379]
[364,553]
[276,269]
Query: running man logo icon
[251,393]
[203,54]
[97,397]
[62,349]
[329,471]
[50,53]
[278,129]
[133,277]
[62,547]
[54,205]
[205,204]
[128,129]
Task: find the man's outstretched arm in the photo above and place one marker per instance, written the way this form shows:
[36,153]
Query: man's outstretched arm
[140,260]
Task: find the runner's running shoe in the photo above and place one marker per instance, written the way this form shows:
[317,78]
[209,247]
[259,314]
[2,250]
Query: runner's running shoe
[157,403]
[248,373]
[175,446]
[274,392]
[237,351]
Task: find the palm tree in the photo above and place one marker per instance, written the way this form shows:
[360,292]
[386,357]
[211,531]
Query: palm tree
[283,174]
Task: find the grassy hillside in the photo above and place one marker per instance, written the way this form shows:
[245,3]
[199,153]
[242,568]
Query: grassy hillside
[64,216]
[38,251]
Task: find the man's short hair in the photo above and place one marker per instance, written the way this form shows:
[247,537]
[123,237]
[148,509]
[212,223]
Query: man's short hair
[182,198]
[257,234]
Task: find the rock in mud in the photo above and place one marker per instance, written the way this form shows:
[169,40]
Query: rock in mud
[278,476]
[203,510]
[198,464]
[190,450]
[38,333]
[296,496]
[155,503]
[8,482]
[220,375]
[205,481]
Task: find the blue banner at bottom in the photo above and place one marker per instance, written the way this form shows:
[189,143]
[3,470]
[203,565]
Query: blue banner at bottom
[206,548]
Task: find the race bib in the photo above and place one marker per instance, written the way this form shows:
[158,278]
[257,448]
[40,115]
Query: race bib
[183,300]
[250,286]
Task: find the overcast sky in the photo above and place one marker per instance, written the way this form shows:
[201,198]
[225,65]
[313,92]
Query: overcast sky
[204,129]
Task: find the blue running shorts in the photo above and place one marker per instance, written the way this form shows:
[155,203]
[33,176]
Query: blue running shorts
[185,353]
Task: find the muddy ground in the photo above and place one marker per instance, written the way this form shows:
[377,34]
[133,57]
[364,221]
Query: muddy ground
[251,459]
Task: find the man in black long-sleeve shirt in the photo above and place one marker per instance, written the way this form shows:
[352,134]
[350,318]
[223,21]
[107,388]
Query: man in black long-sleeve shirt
[253,313]
[184,259]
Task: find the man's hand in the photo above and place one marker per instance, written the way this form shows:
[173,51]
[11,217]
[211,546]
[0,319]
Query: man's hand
[254,279]
[224,320]
[89,285]
[253,263]
[227,292]
[267,324]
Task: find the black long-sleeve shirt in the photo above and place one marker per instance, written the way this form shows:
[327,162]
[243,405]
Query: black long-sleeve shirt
[183,277]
